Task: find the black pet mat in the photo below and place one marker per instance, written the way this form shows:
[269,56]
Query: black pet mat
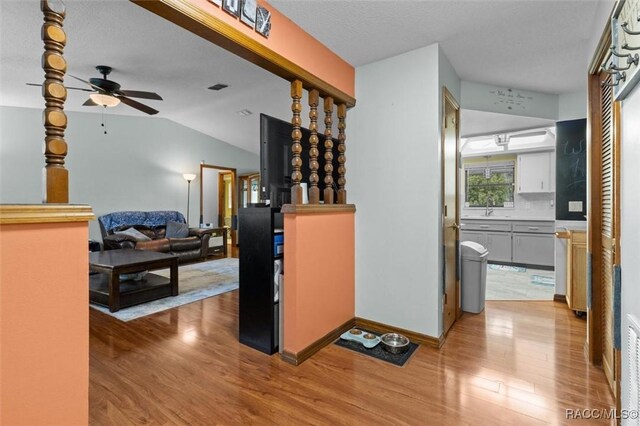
[378,352]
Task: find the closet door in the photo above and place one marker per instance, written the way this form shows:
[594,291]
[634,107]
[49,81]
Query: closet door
[609,216]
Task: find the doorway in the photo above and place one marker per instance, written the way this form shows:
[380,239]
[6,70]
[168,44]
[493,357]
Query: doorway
[218,192]
[249,189]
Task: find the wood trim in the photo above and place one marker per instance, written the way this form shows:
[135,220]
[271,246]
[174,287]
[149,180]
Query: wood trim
[299,357]
[378,327]
[44,213]
[318,208]
[560,298]
[234,192]
[209,27]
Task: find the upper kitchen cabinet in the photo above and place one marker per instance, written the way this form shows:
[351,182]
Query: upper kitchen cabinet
[534,173]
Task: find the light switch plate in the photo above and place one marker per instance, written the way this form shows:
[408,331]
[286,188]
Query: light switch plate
[575,206]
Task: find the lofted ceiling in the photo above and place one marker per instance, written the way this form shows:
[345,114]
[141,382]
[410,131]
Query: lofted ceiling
[146,53]
[534,45]
[537,45]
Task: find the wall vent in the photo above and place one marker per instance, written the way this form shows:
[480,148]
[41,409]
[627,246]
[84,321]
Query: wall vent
[218,86]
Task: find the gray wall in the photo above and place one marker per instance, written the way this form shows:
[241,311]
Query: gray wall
[138,165]
[393,176]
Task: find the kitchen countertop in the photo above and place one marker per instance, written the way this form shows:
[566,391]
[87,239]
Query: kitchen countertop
[531,219]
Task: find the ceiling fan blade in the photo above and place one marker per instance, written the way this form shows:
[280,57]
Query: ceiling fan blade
[140,94]
[137,105]
[89,102]
[87,83]
[66,87]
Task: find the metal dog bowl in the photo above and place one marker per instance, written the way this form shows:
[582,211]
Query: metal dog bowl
[394,343]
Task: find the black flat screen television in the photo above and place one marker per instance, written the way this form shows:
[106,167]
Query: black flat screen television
[275,160]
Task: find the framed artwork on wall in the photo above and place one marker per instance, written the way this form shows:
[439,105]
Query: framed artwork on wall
[263,21]
[248,14]
[232,7]
[216,2]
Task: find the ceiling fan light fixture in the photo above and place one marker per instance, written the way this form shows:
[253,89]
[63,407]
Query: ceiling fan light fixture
[104,100]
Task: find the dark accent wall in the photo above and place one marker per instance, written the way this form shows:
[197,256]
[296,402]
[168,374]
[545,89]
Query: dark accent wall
[571,168]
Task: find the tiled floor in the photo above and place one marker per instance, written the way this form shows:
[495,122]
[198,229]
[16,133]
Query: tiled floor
[512,283]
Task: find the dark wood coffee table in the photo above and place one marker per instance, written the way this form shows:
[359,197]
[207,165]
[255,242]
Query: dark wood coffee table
[106,289]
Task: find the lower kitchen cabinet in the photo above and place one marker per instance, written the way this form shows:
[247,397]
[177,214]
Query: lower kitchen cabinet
[499,246]
[533,249]
[498,243]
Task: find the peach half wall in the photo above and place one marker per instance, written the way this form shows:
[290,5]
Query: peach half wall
[44,321]
[319,277]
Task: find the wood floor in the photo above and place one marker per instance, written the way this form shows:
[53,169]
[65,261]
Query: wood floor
[519,363]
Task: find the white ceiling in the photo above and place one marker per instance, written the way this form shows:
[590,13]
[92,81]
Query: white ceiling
[535,45]
[532,45]
[147,53]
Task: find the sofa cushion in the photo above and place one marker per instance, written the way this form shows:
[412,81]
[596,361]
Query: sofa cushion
[134,234]
[177,229]
[162,245]
[183,244]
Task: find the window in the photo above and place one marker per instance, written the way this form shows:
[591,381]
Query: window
[492,185]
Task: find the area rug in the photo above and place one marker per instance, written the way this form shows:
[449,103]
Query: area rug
[378,352]
[530,284]
[507,268]
[196,282]
[540,280]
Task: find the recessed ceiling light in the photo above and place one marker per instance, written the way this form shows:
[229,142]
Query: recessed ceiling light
[244,113]
[218,86]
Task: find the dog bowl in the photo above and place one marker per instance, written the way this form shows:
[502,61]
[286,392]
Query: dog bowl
[355,331]
[395,343]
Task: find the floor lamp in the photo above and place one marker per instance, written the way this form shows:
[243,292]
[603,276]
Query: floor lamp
[188,177]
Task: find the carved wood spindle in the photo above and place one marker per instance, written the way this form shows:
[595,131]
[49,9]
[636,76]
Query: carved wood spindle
[55,176]
[314,191]
[342,137]
[328,154]
[296,148]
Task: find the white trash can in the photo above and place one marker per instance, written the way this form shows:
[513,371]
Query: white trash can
[473,276]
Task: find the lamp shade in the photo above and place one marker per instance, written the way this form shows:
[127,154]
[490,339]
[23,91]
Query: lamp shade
[189,176]
[104,100]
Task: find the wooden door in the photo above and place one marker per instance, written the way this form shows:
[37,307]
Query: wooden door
[609,215]
[450,132]
[604,228]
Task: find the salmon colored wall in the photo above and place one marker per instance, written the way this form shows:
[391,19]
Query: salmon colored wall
[292,42]
[44,324]
[319,276]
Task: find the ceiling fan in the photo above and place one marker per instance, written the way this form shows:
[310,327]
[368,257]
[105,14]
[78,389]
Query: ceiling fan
[107,93]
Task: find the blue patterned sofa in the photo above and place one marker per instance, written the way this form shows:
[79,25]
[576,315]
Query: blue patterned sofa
[153,225]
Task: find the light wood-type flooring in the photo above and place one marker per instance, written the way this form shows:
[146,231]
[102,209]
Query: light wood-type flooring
[518,363]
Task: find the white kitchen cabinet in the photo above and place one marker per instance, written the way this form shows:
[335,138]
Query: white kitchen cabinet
[534,173]
[533,249]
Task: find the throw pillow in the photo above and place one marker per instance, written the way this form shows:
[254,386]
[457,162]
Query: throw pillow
[177,229]
[134,234]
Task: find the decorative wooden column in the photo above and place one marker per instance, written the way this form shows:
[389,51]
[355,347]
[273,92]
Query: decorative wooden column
[55,176]
[314,191]
[296,148]
[328,154]
[342,137]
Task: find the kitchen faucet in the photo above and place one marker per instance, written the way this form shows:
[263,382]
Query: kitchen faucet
[489,209]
